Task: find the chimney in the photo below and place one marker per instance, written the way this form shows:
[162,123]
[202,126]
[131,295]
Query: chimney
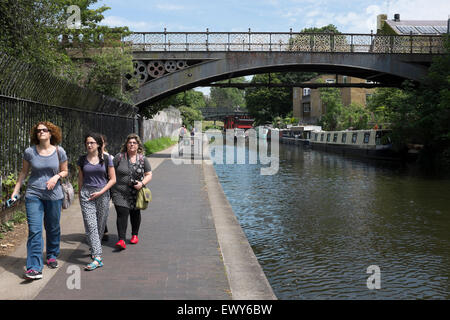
[397,17]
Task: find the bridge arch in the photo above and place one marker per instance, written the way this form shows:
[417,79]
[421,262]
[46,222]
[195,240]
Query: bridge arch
[384,68]
[208,57]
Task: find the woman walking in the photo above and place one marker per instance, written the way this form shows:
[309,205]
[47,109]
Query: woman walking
[133,172]
[43,196]
[96,176]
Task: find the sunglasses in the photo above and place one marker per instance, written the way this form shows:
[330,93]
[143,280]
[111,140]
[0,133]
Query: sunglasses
[42,130]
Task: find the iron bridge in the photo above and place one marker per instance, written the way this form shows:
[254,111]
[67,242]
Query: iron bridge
[170,62]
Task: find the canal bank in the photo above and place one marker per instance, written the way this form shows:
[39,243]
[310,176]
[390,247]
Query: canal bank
[190,249]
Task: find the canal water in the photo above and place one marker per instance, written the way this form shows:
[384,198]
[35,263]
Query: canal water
[319,223]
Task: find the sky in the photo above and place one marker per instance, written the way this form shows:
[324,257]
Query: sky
[349,16]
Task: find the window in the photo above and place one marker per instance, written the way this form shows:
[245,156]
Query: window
[378,138]
[316,136]
[366,137]
[306,107]
[328,137]
[354,137]
[344,137]
[335,137]
[344,79]
[306,92]
[321,137]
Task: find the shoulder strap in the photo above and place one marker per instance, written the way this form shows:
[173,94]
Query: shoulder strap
[106,162]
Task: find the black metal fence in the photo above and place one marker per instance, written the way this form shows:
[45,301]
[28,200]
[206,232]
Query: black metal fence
[29,95]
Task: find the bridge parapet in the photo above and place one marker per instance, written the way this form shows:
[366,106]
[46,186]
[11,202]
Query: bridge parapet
[285,41]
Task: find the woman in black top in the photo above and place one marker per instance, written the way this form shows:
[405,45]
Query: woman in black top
[133,172]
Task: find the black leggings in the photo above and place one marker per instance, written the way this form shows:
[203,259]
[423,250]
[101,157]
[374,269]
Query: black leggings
[122,221]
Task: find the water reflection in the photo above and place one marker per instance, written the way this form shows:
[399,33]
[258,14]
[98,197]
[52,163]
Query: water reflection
[323,219]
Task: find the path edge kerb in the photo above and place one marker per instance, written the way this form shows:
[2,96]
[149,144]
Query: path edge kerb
[245,275]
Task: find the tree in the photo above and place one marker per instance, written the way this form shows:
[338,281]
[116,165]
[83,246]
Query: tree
[420,114]
[331,99]
[228,97]
[189,103]
[37,32]
[265,103]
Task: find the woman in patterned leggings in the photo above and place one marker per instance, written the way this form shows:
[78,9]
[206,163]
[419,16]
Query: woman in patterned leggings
[96,176]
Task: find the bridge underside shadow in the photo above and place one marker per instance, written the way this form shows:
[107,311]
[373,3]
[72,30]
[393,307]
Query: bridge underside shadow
[386,69]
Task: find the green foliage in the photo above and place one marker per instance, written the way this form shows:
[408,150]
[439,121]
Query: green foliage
[7,186]
[190,115]
[265,103]
[340,117]
[37,32]
[188,102]
[157,145]
[107,73]
[421,114]
[228,97]
[331,28]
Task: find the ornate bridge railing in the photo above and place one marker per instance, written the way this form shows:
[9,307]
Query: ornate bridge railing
[284,41]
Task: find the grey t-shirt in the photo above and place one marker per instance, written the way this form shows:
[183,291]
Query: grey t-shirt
[42,169]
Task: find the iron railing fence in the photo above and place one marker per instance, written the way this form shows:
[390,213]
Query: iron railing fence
[22,80]
[41,97]
[284,41]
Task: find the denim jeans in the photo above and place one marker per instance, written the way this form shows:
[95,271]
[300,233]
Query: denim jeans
[48,213]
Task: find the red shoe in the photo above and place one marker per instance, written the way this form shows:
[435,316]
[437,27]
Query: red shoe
[121,245]
[134,240]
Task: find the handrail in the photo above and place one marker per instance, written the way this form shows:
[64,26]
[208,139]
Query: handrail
[284,41]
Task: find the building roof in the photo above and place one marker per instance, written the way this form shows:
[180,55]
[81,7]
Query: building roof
[419,27]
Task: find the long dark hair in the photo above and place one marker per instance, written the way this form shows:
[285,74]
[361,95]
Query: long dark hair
[98,138]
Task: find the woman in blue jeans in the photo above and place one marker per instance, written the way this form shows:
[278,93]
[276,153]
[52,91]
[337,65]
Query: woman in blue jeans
[43,196]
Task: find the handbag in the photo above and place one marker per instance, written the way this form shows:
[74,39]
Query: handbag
[67,188]
[144,197]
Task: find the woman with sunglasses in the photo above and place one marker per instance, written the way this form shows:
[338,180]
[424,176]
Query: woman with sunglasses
[43,196]
[96,176]
[133,171]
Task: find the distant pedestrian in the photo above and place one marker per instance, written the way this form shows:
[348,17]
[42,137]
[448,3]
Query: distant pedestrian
[43,196]
[133,171]
[183,131]
[96,176]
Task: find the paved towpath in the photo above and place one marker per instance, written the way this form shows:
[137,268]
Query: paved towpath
[191,248]
[178,256]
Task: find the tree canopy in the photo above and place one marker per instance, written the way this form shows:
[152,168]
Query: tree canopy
[39,32]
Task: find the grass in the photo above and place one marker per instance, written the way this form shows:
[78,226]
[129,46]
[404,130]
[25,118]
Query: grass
[157,145]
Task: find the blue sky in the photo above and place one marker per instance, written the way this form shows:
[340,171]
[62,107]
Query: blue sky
[358,16]
[350,16]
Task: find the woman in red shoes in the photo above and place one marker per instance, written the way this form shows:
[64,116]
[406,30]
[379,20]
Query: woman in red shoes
[133,172]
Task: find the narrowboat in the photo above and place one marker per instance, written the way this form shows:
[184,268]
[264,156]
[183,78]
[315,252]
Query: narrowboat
[372,143]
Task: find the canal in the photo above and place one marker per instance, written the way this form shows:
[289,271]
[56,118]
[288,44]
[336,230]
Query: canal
[319,223]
